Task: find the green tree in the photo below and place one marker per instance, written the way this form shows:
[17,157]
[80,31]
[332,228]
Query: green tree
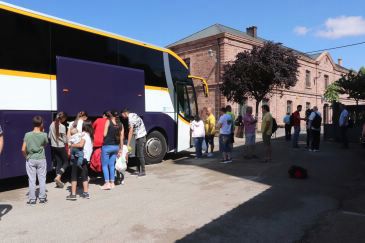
[332,93]
[352,85]
[255,74]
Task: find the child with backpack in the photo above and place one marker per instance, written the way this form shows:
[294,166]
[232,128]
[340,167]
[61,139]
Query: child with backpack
[36,164]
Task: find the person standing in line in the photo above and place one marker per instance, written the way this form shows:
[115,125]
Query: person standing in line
[209,124]
[287,124]
[1,140]
[86,144]
[230,113]
[308,112]
[57,136]
[80,118]
[98,127]
[314,124]
[225,129]
[296,125]
[36,165]
[137,128]
[266,129]
[198,134]
[250,133]
[343,122]
[112,145]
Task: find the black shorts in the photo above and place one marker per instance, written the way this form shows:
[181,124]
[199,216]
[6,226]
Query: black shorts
[232,137]
[209,139]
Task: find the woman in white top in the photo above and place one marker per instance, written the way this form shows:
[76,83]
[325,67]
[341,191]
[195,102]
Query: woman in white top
[198,134]
[87,144]
[80,118]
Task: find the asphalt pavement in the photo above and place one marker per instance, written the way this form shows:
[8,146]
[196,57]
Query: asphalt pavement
[189,200]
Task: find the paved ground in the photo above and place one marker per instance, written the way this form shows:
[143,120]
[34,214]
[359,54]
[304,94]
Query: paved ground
[189,200]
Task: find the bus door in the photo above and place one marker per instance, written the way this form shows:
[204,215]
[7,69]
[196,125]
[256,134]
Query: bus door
[186,110]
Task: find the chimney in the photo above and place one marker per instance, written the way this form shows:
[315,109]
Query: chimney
[252,31]
[340,61]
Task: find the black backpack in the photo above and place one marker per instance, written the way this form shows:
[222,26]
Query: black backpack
[317,121]
[291,119]
[274,125]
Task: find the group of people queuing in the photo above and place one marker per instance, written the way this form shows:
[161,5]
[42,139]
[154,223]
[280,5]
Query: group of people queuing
[204,129]
[313,122]
[77,145]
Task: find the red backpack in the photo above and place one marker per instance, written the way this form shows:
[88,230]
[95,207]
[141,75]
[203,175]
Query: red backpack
[95,162]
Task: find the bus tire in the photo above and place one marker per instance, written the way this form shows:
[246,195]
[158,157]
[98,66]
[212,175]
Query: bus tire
[156,147]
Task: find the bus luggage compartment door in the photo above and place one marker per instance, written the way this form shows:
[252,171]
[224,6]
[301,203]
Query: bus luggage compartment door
[96,87]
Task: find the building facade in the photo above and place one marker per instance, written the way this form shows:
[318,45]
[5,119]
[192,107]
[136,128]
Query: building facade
[207,51]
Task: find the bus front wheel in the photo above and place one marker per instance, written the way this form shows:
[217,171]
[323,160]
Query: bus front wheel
[156,147]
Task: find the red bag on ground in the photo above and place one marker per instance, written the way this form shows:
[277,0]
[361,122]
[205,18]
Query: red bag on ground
[95,162]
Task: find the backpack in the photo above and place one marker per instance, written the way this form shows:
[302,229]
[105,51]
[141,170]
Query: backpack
[291,119]
[274,125]
[297,172]
[317,121]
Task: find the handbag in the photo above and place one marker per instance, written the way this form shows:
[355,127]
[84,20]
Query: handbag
[238,132]
[121,162]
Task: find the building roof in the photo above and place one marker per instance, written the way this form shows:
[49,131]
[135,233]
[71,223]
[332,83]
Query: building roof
[213,30]
[217,29]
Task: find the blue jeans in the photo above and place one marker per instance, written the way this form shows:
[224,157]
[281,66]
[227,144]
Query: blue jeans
[108,157]
[296,136]
[77,156]
[198,142]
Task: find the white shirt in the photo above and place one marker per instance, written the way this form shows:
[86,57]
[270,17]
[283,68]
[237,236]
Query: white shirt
[311,118]
[76,138]
[79,125]
[138,126]
[198,129]
[88,146]
[226,122]
[343,121]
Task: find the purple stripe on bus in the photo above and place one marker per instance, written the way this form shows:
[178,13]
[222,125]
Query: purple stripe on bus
[162,121]
[15,124]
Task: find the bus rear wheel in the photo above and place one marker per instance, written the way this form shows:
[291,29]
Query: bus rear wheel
[156,148]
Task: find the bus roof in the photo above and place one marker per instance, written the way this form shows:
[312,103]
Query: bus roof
[55,20]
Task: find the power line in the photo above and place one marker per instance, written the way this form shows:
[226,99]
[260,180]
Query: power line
[337,47]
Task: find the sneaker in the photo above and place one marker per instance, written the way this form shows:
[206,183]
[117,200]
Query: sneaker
[85,195]
[32,202]
[142,174]
[43,200]
[71,197]
[59,183]
[210,155]
[228,161]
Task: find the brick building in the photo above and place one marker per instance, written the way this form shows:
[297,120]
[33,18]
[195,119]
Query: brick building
[207,51]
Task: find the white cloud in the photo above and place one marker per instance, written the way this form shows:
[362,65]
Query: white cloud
[343,26]
[301,30]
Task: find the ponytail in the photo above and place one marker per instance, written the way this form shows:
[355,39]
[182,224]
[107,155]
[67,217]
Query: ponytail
[59,117]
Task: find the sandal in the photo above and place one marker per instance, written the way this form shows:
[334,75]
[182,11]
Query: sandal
[105,187]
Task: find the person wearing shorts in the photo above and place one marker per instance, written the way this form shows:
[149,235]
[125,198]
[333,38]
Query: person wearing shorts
[224,124]
[209,124]
[266,129]
[250,133]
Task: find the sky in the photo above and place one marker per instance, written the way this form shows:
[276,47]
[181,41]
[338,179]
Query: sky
[303,25]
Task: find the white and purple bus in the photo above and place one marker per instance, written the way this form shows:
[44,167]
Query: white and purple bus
[49,65]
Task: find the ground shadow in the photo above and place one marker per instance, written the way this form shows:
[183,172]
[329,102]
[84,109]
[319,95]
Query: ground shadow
[285,211]
[4,209]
